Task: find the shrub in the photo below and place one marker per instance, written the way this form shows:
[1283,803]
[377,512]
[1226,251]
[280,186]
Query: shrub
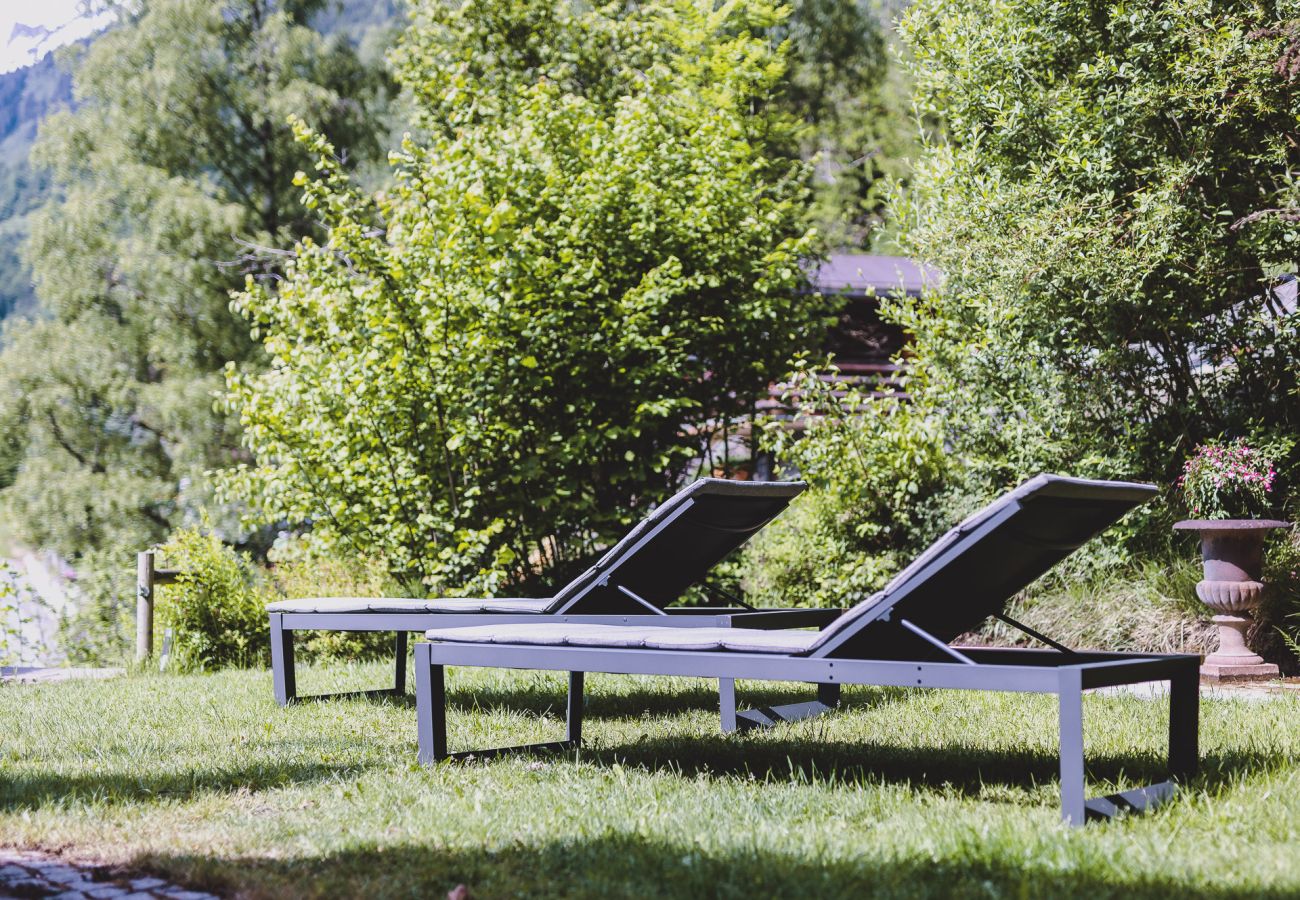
[483,374]
[301,569]
[885,482]
[879,484]
[812,557]
[216,608]
[1112,217]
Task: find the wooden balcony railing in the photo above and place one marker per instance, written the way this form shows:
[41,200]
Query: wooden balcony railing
[873,380]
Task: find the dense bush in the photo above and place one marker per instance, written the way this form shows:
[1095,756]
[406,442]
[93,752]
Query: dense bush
[876,467]
[300,569]
[484,373]
[216,608]
[1111,216]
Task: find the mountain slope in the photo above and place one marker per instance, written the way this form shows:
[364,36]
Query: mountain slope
[27,95]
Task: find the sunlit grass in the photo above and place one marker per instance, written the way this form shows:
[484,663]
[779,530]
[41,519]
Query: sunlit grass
[903,793]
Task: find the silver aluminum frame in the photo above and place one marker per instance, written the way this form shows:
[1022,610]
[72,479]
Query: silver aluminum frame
[1066,674]
[284,624]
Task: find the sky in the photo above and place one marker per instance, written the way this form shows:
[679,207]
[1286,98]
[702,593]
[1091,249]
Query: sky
[64,18]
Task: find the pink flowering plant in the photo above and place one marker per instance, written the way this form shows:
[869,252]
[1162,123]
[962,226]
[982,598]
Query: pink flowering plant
[1227,481]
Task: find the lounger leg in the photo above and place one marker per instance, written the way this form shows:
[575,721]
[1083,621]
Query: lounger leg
[1072,776]
[727,703]
[399,669]
[573,714]
[282,671]
[829,694]
[1184,714]
[430,707]
[431,715]
[1184,697]
[283,675]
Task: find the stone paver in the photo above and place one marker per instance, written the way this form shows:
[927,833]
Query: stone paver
[26,874]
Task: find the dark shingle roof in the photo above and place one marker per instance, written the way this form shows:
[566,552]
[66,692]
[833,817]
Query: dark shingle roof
[858,274]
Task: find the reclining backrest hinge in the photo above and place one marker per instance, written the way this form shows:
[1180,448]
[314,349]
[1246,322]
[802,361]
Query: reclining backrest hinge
[931,639]
[1003,617]
[643,601]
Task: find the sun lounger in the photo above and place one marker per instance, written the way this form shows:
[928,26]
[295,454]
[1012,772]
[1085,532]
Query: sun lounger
[899,637]
[634,583]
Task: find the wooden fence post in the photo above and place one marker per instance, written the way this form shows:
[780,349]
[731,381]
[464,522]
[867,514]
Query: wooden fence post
[147,577]
[144,605]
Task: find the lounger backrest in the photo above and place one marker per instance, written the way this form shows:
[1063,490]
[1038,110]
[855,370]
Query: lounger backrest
[676,546]
[973,571]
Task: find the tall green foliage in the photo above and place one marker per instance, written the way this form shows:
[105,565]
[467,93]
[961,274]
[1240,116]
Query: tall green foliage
[1111,215]
[175,164]
[876,465]
[845,85]
[839,83]
[585,272]
[215,610]
[26,95]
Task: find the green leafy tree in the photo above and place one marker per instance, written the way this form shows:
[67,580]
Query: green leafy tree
[854,99]
[1111,212]
[839,83]
[174,168]
[1111,215]
[583,276]
[27,94]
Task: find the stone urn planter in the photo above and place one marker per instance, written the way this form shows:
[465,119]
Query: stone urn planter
[1232,558]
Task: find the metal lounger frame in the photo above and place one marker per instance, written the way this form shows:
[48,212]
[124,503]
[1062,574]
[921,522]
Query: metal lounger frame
[1066,674]
[284,624]
[895,637]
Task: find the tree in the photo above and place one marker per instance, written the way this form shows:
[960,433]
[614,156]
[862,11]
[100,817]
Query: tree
[855,102]
[1111,211]
[174,166]
[1112,216]
[26,95]
[839,83]
[585,271]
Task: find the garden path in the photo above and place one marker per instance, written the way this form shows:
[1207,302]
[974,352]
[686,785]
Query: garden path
[26,874]
[43,674]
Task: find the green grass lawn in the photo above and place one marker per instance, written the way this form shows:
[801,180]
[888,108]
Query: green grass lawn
[903,793]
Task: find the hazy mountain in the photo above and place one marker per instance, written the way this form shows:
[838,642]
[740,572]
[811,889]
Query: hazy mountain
[28,94]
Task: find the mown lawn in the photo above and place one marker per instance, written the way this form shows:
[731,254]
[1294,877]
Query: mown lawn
[902,794]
